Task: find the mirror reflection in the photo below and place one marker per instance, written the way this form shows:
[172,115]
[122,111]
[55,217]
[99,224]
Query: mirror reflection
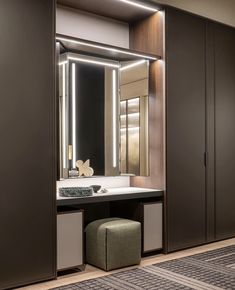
[134,82]
[103,115]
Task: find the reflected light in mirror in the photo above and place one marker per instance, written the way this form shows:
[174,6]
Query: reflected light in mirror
[131,115]
[114,121]
[133,64]
[63,62]
[74,113]
[130,128]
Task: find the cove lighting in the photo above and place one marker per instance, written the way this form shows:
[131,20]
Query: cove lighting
[94,61]
[114,119]
[133,3]
[74,137]
[63,118]
[133,64]
[105,48]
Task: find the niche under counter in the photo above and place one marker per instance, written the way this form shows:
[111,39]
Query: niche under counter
[139,204]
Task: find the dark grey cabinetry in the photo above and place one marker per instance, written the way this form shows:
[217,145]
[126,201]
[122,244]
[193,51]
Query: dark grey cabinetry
[27,154]
[185,109]
[200,126]
[224,81]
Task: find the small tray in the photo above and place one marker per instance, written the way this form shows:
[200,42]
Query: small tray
[75,191]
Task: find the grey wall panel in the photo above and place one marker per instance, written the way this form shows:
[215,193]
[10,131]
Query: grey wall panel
[185,108]
[224,43]
[27,153]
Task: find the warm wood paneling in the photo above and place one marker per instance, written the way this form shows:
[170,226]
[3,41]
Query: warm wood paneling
[147,34]
[156,178]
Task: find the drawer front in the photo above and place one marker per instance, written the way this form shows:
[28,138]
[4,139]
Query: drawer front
[152,226]
[69,240]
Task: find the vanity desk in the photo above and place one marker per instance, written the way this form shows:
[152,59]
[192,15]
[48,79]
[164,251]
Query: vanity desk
[139,204]
[112,194]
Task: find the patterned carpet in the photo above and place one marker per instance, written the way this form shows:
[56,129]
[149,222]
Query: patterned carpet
[213,270]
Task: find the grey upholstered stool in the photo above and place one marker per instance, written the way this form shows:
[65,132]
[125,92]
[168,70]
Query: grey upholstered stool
[113,243]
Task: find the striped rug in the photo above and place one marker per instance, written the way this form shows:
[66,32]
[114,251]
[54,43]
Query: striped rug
[213,270]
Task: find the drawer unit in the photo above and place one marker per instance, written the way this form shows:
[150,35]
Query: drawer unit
[69,240]
[152,226]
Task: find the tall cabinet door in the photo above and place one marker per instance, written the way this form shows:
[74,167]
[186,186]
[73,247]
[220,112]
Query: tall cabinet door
[224,49]
[27,187]
[185,135]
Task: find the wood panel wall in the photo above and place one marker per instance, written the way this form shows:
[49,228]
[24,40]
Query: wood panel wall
[147,36]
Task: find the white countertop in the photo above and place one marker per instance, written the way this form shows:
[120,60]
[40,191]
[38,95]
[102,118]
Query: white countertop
[116,191]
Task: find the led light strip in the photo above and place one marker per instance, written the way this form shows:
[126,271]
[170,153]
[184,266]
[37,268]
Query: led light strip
[139,5]
[133,64]
[94,61]
[63,119]
[114,120]
[106,48]
[74,141]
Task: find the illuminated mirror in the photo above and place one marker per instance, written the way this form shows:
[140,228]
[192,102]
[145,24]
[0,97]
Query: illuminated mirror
[103,115]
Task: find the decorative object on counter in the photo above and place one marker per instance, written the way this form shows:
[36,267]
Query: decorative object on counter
[104,190]
[84,168]
[75,191]
[96,188]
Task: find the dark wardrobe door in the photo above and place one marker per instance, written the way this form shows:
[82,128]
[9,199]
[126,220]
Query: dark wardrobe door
[185,90]
[27,161]
[224,42]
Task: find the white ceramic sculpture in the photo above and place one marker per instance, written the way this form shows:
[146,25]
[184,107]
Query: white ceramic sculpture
[84,168]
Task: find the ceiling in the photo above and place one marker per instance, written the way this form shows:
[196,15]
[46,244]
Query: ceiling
[219,10]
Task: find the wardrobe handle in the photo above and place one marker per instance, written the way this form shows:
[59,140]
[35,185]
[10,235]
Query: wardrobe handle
[205,158]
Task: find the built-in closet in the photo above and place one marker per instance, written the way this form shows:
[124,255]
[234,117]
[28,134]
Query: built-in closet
[27,147]
[200,149]
[191,131]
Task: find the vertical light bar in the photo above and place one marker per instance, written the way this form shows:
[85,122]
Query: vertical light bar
[74,114]
[114,119]
[63,118]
